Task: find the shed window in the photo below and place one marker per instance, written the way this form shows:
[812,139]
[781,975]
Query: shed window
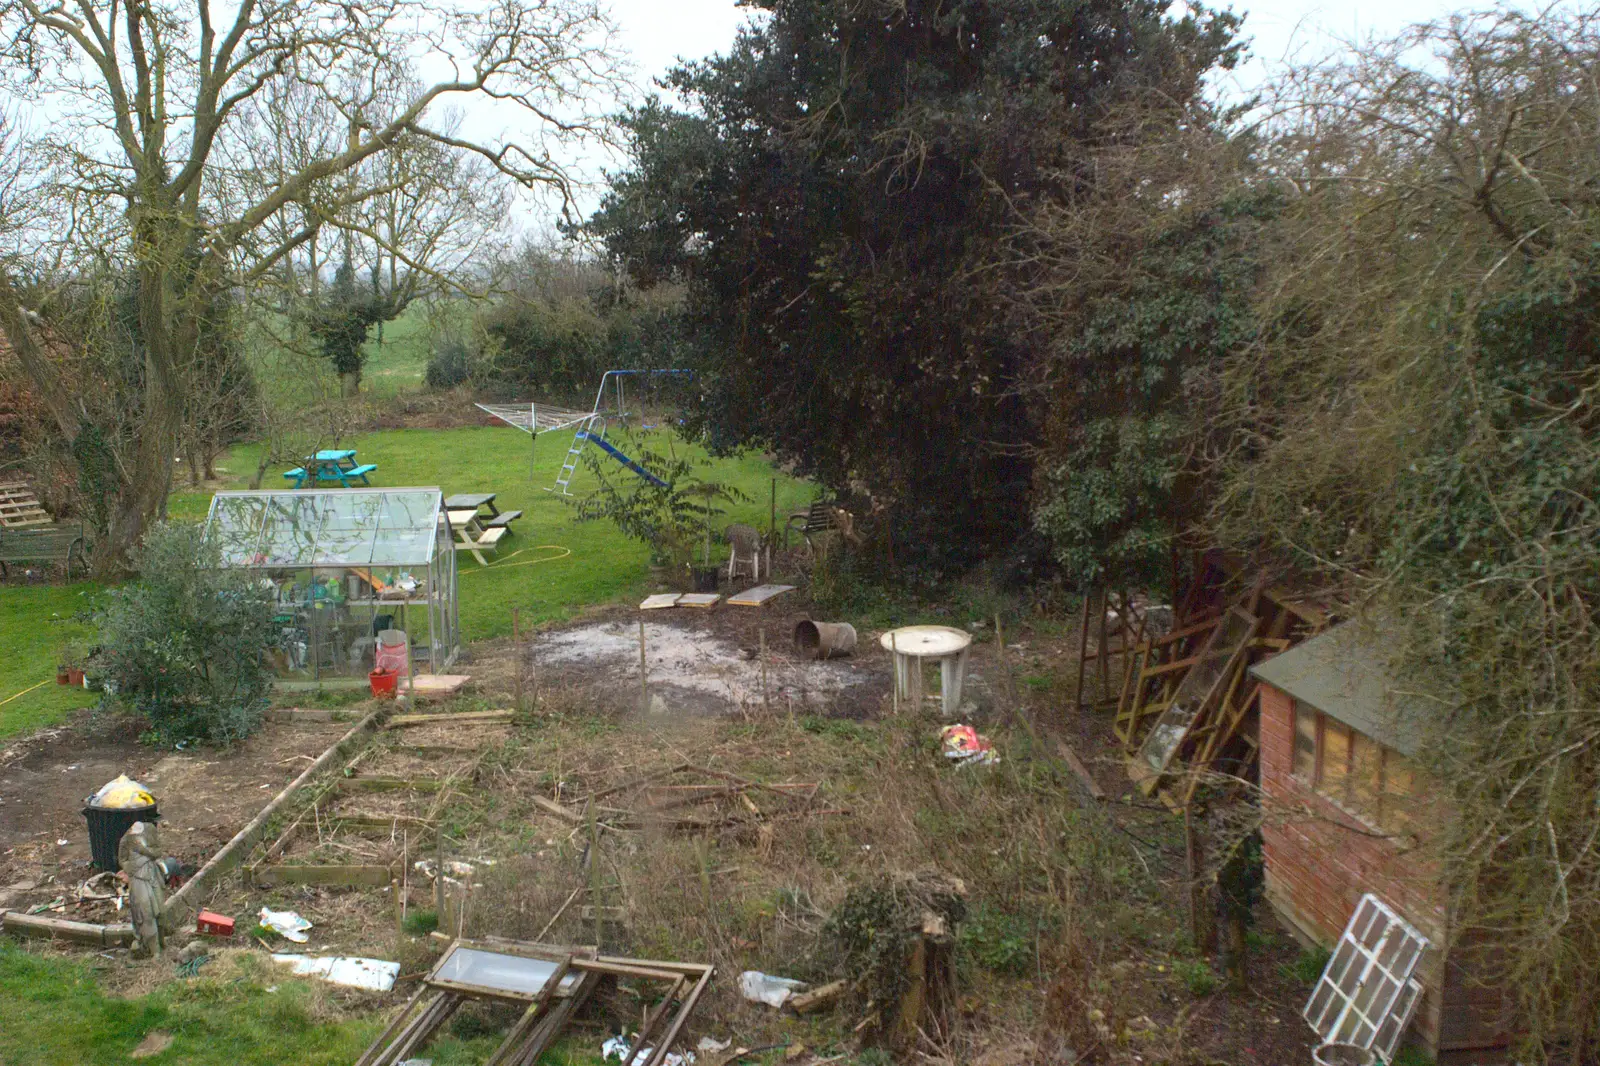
[1364,777]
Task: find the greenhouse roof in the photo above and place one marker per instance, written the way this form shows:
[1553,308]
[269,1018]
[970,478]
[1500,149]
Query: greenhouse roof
[331,527]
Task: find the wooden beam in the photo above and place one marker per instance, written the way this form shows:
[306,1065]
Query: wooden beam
[1167,668]
[40,927]
[1075,764]
[235,850]
[388,784]
[323,875]
[404,721]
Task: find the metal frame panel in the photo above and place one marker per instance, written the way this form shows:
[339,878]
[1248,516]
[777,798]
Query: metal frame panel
[1366,995]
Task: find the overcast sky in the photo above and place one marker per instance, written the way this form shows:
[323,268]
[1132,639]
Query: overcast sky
[658,33]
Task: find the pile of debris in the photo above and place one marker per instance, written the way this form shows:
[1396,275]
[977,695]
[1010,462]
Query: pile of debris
[1187,706]
[686,798]
[552,983]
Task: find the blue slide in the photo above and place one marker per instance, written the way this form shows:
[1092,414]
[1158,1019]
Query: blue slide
[606,447]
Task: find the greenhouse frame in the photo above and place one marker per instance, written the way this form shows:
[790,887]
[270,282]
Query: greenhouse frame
[345,565]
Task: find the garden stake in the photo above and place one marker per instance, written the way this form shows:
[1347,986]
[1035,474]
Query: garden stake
[644,682]
[516,651]
[894,650]
[766,707]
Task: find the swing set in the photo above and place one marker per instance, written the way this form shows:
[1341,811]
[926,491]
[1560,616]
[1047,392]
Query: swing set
[610,404]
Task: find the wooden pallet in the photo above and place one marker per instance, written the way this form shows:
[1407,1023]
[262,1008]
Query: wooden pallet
[20,507]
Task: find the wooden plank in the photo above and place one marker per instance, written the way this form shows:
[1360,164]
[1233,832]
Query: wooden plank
[699,599]
[388,784]
[435,684]
[660,600]
[1167,668]
[323,875]
[235,850]
[1075,764]
[757,596]
[566,814]
[403,721]
[40,927]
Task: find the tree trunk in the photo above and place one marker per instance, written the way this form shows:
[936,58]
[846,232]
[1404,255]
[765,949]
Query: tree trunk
[350,384]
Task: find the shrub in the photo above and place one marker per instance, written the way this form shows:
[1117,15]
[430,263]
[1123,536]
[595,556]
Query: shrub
[449,364]
[1197,976]
[182,645]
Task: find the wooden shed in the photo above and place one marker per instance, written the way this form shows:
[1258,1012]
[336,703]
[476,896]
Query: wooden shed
[1350,812]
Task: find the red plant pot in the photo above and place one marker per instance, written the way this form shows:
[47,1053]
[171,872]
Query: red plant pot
[383,683]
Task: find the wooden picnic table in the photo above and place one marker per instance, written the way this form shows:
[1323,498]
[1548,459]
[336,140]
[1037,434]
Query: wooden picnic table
[477,523]
[331,464]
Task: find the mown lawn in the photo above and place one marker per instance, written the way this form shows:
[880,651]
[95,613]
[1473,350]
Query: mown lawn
[36,623]
[247,1015]
[553,564]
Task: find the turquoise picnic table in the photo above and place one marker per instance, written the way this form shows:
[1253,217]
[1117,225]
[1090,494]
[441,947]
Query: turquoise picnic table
[331,465]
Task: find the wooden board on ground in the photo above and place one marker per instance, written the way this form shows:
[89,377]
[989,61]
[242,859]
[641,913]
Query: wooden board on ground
[475,718]
[436,684]
[660,600]
[322,875]
[760,594]
[699,599]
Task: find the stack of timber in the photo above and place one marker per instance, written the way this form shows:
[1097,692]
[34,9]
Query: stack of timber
[1188,707]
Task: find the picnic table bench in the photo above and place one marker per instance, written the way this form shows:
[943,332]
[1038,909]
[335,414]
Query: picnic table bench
[50,544]
[331,464]
[478,525]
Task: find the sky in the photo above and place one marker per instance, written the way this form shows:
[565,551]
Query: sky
[658,33]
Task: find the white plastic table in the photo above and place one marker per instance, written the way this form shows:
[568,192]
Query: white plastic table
[913,646]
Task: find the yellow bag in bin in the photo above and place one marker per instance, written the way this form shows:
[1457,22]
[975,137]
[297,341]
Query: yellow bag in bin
[123,793]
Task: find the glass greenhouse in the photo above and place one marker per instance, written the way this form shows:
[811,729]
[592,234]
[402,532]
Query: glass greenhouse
[346,565]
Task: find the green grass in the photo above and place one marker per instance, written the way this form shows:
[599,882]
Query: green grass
[36,621]
[230,1020]
[603,565]
[535,571]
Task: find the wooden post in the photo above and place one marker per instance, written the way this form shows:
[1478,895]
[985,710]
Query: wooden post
[894,653]
[1083,647]
[766,706]
[438,880]
[772,522]
[399,911]
[594,874]
[516,651]
[1201,929]
[1102,645]
[644,675]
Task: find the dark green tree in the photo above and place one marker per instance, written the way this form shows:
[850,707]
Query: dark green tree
[342,320]
[836,201]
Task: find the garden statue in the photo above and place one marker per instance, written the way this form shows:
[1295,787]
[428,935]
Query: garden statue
[139,856]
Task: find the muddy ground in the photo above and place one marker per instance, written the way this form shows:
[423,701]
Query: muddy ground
[204,796]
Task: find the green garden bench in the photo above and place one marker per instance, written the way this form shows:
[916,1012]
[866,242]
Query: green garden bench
[39,545]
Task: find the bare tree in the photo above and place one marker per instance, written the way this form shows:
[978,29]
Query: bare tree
[148,96]
[1420,419]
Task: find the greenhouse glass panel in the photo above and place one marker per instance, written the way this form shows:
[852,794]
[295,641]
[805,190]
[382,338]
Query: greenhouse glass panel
[345,565]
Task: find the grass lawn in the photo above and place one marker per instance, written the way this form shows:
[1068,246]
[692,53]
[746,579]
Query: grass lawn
[35,622]
[227,1018]
[552,565]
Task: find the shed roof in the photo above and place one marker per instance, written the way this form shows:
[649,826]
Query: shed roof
[329,527]
[1344,673]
